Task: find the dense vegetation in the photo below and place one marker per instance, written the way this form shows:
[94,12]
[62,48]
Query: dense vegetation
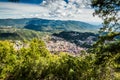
[19,34]
[37,63]
[107,48]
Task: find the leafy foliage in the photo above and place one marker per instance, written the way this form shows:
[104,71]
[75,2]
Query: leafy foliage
[108,11]
[107,48]
[36,63]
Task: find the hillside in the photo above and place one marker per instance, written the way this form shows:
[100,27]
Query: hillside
[84,40]
[48,25]
[13,22]
[19,34]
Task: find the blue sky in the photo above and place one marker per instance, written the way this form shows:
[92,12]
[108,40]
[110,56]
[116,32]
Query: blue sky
[29,1]
[49,9]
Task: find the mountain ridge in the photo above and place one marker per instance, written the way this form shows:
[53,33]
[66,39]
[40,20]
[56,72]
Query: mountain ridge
[47,25]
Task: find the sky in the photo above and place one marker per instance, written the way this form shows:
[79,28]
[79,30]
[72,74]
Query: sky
[79,10]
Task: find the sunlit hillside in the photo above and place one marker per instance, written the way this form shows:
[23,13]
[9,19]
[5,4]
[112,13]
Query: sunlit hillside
[59,39]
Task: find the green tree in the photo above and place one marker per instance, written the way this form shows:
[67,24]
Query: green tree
[32,61]
[8,59]
[35,62]
[107,48]
[108,11]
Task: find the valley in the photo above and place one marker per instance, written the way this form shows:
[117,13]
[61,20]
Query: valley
[60,36]
[59,39]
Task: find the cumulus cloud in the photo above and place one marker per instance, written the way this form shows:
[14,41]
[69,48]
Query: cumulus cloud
[50,9]
[74,9]
[63,9]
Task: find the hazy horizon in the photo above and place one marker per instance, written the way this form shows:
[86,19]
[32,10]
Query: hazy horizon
[49,9]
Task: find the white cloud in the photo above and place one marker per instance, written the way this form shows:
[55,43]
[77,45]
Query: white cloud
[49,9]
[74,10]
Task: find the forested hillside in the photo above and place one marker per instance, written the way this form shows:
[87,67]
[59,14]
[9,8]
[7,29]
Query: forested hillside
[8,33]
[86,39]
[48,25]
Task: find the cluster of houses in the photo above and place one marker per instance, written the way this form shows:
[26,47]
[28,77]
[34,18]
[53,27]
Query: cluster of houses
[55,45]
[63,46]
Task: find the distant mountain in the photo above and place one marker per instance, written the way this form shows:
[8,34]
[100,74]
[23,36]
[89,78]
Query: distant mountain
[47,25]
[13,22]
